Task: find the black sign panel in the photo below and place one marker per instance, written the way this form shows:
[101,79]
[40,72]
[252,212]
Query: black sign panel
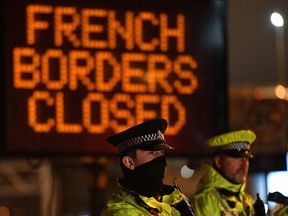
[75,72]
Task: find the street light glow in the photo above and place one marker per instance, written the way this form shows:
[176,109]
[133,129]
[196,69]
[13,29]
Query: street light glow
[186,172]
[277,19]
[280,92]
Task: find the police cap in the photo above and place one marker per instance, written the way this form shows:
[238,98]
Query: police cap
[148,135]
[233,144]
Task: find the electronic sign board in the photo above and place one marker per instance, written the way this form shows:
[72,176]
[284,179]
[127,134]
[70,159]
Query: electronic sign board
[76,72]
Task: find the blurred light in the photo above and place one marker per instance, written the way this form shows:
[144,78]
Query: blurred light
[270,92]
[277,19]
[264,92]
[4,211]
[280,92]
[258,93]
[266,208]
[277,181]
[186,172]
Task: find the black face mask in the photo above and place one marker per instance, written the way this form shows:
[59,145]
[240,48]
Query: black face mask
[146,179]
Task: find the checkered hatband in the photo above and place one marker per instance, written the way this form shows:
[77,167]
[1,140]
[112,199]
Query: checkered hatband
[147,138]
[240,146]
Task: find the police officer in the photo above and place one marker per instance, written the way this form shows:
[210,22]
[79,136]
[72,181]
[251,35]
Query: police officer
[282,203]
[141,190]
[220,191]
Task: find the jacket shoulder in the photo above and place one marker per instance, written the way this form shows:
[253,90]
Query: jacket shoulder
[122,205]
[205,203]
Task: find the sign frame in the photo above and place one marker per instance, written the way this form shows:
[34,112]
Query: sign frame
[204,51]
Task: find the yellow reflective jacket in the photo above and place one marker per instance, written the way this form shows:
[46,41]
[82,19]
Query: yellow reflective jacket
[218,197]
[127,203]
[282,211]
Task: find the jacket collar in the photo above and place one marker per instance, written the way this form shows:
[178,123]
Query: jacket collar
[212,178]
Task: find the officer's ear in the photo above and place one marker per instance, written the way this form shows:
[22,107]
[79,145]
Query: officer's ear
[217,161]
[128,162]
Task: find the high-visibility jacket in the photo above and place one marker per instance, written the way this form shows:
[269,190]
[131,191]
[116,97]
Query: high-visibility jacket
[216,196]
[282,211]
[128,203]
